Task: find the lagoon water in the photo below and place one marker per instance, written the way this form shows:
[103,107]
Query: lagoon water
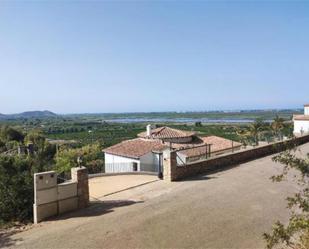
[180,120]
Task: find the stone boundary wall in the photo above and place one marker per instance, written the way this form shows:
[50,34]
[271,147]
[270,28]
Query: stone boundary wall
[51,199]
[173,172]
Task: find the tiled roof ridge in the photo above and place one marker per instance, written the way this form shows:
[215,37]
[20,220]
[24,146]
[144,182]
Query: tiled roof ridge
[135,147]
[161,129]
[167,132]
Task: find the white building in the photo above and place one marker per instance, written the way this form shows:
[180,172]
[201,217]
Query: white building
[301,122]
[134,155]
[145,153]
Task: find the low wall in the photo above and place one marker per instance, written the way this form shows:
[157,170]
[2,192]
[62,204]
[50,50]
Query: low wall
[123,173]
[174,172]
[51,199]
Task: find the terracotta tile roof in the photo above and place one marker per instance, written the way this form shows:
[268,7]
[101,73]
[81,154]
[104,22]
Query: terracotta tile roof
[306,105]
[217,144]
[197,141]
[220,143]
[300,117]
[135,148]
[166,132]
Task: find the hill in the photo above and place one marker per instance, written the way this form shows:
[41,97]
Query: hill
[36,114]
[30,114]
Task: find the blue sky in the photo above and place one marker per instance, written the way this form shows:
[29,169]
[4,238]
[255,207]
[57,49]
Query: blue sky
[76,57]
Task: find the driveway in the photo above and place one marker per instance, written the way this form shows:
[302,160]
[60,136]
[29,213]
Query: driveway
[227,209]
[102,186]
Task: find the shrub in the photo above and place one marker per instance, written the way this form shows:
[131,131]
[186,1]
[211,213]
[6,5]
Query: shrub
[16,189]
[91,155]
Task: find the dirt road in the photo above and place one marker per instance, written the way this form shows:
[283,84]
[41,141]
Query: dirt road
[227,209]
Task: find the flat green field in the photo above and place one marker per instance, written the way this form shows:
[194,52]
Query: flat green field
[109,129]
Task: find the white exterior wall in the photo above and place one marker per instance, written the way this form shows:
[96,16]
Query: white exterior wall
[306,110]
[116,164]
[301,125]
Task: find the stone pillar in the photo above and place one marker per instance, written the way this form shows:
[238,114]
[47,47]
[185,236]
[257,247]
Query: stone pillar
[173,163]
[80,175]
[169,166]
[167,169]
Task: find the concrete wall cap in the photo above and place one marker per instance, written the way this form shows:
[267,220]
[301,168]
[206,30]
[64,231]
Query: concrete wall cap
[67,183]
[45,173]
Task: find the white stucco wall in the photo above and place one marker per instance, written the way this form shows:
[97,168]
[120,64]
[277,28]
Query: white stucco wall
[306,110]
[301,125]
[116,164]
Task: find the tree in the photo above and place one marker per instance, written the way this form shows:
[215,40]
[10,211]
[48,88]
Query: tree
[255,128]
[243,135]
[277,126]
[198,124]
[16,189]
[10,134]
[35,137]
[296,233]
[92,157]
[2,146]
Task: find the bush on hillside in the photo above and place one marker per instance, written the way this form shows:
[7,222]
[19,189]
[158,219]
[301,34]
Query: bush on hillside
[10,134]
[16,189]
[92,158]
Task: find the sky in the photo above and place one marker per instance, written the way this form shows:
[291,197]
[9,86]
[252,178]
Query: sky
[98,57]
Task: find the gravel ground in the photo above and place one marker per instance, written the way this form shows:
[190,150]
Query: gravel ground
[227,209]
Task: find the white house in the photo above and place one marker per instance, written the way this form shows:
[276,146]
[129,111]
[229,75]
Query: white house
[301,122]
[134,155]
[145,153]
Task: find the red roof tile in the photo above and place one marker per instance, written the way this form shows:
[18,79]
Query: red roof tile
[166,132]
[217,144]
[301,117]
[135,148]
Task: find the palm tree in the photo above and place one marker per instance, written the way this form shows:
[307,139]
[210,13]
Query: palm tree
[277,125]
[243,136]
[255,128]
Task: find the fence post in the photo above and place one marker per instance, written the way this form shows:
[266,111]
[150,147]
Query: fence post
[80,175]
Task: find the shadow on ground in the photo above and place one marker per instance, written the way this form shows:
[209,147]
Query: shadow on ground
[198,178]
[6,239]
[97,208]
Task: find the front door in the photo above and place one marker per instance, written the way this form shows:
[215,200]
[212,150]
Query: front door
[134,166]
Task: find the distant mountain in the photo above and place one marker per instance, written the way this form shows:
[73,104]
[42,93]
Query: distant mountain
[36,114]
[31,114]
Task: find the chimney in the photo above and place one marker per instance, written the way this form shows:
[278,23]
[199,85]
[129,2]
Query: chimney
[148,129]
